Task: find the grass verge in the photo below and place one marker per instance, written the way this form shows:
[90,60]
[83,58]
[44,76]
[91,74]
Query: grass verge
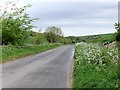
[95,67]
[10,53]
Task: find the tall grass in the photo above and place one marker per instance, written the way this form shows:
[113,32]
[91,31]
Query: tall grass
[13,52]
[95,66]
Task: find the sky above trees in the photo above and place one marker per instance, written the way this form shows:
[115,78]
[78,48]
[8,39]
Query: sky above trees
[73,17]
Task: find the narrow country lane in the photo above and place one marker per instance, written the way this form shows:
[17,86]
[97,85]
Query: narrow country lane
[49,69]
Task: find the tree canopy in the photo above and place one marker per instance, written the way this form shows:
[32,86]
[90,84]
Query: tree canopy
[55,30]
[53,33]
[16,24]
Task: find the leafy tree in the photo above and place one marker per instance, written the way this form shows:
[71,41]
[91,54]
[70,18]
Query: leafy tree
[39,38]
[73,39]
[55,30]
[53,34]
[51,37]
[16,24]
[64,40]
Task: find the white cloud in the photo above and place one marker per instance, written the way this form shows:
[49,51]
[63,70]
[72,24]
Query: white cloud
[74,17]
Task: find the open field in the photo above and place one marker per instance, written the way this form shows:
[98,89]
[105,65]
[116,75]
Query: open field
[13,52]
[95,66]
[100,38]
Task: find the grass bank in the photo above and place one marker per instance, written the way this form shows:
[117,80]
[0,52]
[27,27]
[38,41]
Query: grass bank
[95,66]
[10,53]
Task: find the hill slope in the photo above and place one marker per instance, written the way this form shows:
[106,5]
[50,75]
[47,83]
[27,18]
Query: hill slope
[100,38]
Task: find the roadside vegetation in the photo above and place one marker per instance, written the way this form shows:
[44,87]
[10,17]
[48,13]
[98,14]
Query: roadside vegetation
[18,38]
[102,39]
[95,66]
[10,53]
[96,62]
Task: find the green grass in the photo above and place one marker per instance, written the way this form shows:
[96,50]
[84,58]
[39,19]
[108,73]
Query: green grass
[10,53]
[95,67]
[102,39]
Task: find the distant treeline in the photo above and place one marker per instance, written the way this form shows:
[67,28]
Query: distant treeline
[51,35]
[100,38]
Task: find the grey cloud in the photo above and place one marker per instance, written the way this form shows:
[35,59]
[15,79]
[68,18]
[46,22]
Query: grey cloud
[75,15]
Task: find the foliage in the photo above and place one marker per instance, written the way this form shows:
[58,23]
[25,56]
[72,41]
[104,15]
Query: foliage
[74,39]
[55,30]
[64,40]
[15,24]
[101,38]
[117,27]
[13,52]
[39,39]
[95,66]
[53,34]
[51,37]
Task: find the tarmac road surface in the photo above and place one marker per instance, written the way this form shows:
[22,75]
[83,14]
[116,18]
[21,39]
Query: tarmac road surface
[49,69]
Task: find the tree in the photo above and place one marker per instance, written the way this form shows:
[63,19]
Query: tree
[16,24]
[55,30]
[64,40]
[51,37]
[53,34]
[39,38]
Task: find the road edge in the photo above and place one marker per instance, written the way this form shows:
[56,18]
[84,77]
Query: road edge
[70,74]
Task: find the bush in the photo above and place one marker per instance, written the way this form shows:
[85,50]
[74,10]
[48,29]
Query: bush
[15,24]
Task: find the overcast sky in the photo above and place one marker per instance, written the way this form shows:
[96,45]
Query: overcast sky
[73,17]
